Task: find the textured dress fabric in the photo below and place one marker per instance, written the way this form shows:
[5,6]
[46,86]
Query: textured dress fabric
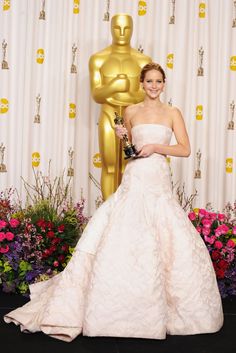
[140,268]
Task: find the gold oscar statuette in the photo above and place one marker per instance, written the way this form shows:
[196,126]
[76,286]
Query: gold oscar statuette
[234,19]
[172,17]
[70,171]
[107,13]
[4,50]
[73,68]
[37,116]
[115,84]
[231,122]
[198,170]
[128,147]
[200,71]
[42,15]
[3,168]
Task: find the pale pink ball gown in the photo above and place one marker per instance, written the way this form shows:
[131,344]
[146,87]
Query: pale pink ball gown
[139,270]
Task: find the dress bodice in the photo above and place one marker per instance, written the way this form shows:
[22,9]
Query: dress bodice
[143,134]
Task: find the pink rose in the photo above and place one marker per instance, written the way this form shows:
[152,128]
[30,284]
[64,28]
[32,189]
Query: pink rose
[9,236]
[206,231]
[2,224]
[221,217]
[55,263]
[199,229]
[230,257]
[202,212]
[213,216]
[192,216]
[224,228]
[14,223]
[209,240]
[2,236]
[207,223]
[4,250]
[218,244]
[234,230]
[230,243]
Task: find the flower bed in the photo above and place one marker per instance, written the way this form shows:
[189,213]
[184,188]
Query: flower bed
[218,230]
[35,248]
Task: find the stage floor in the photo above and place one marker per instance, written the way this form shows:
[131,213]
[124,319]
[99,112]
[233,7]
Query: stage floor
[12,340]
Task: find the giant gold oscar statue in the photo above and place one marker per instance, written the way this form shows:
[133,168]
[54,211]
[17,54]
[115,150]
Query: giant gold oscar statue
[114,78]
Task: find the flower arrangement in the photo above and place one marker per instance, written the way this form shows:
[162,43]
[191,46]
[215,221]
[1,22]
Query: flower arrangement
[36,242]
[218,230]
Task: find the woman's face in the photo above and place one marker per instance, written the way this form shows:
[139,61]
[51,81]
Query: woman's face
[153,84]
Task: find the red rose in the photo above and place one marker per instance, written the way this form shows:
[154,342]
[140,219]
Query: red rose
[65,248]
[223,264]
[220,273]
[52,249]
[61,258]
[41,223]
[46,253]
[56,241]
[215,255]
[61,228]
[55,263]
[50,225]
[50,234]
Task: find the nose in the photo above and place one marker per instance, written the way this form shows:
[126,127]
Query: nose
[122,31]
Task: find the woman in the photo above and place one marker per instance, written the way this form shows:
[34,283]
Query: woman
[140,269]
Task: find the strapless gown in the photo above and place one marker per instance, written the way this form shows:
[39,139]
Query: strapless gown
[140,268]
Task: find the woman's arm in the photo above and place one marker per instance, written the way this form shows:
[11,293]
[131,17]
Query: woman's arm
[181,149]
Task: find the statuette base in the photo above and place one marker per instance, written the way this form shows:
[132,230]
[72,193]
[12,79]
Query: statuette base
[197,174]
[73,69]
[70,172]
[3,168]
[42,15]
[172,20]
[200,71]
[5,65]
[231,125]
[37,119]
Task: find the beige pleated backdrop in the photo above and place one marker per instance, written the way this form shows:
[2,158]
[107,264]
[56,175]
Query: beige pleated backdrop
[38,80]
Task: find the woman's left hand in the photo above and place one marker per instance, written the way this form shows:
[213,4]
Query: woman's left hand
[146,151]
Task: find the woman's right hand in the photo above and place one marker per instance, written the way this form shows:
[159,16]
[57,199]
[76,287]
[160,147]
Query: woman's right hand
[120,131]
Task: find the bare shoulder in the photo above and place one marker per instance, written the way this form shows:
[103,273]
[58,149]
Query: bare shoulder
[174,113]
[130,111]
